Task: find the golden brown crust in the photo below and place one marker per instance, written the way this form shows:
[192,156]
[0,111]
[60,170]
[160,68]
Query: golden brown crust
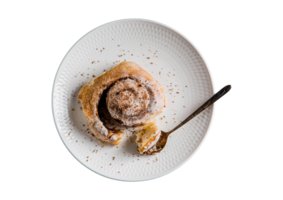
[92,91]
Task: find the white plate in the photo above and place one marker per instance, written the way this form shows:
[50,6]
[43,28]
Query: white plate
[165,54]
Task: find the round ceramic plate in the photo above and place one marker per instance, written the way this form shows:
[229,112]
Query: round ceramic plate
[170,59]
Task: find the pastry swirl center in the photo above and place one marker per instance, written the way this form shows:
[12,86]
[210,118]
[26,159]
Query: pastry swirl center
[127,99]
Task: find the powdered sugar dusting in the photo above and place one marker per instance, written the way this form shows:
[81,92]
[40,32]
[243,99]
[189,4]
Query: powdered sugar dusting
[129,95]
[127,100]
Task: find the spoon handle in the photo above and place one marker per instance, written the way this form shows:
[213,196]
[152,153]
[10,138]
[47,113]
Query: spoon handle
[213,99]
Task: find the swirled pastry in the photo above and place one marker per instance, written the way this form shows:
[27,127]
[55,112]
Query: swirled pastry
[128,101]
[128,94]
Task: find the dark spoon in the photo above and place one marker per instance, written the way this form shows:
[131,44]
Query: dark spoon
[164,135]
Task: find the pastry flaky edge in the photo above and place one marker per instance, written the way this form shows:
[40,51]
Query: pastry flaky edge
[91,92]
[147,136]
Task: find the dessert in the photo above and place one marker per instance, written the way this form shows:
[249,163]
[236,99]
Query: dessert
[125,96]
[147,137]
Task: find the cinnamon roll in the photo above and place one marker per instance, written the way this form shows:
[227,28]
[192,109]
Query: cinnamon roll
[125,96]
